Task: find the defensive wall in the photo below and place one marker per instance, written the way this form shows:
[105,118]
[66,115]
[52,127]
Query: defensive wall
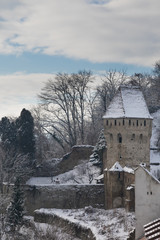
[61,196]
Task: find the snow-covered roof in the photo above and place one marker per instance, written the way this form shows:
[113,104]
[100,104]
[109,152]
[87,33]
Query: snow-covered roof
[116,167]
[128,169]
[100,177]
[129,102]
[149,173]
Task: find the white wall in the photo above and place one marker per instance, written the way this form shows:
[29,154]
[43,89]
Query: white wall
[147,199]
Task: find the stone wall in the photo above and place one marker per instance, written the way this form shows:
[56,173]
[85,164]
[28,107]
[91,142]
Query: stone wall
[63,196]
[78,155]
[116,183]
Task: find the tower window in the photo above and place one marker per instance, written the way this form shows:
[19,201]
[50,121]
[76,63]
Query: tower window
[133,137]
[129,122]
[137,123]
[107,122]
[123,122]
[144,122]
[111,138]
[119,138]
[141,138]
[115,122]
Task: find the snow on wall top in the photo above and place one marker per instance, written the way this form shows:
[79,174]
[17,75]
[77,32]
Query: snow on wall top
[129,102]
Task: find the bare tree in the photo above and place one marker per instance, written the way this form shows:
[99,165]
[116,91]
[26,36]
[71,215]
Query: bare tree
[111,81]
[64,103]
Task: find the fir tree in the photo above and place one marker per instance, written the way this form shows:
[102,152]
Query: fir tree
[97,156]
[15,210]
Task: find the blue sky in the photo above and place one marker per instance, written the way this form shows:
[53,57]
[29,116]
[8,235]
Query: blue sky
[40,38]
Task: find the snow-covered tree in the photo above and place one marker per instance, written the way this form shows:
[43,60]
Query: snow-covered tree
[97,156]
[15,211]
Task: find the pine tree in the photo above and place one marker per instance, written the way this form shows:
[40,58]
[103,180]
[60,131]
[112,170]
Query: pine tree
[15,210]
[97,156]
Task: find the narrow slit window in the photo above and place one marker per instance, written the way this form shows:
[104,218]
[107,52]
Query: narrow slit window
[107,122]
[119,138]
[115,122]
[133,137]
[144,122]
[111,138]
[137,123]
[129,122]
[123,122]
[141,138]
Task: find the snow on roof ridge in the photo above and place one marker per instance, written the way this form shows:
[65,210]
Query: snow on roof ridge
[149,173]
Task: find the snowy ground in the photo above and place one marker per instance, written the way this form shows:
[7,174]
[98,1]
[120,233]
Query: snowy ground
[105,224]
[81,174]
[38,231]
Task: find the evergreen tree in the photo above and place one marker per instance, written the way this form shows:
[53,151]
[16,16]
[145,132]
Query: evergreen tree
[97,156]
[15,210]
[25,134]
[8,134]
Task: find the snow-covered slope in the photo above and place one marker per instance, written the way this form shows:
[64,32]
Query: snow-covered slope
[105,224]
[81,174]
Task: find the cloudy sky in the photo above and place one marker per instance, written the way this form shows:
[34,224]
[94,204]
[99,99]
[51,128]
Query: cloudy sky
[39,38]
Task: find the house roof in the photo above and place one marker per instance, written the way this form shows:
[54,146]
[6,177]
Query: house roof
[152,229]
[129,102]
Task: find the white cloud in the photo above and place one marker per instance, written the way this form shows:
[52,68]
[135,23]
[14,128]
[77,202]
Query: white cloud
[116,31]
[20,90]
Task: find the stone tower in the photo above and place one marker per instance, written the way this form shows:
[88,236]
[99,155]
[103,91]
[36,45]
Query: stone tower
[127,128]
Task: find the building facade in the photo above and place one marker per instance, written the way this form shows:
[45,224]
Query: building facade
[127,129]
[147,204]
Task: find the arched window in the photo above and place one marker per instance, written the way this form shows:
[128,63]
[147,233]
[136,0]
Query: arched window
[119,138]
